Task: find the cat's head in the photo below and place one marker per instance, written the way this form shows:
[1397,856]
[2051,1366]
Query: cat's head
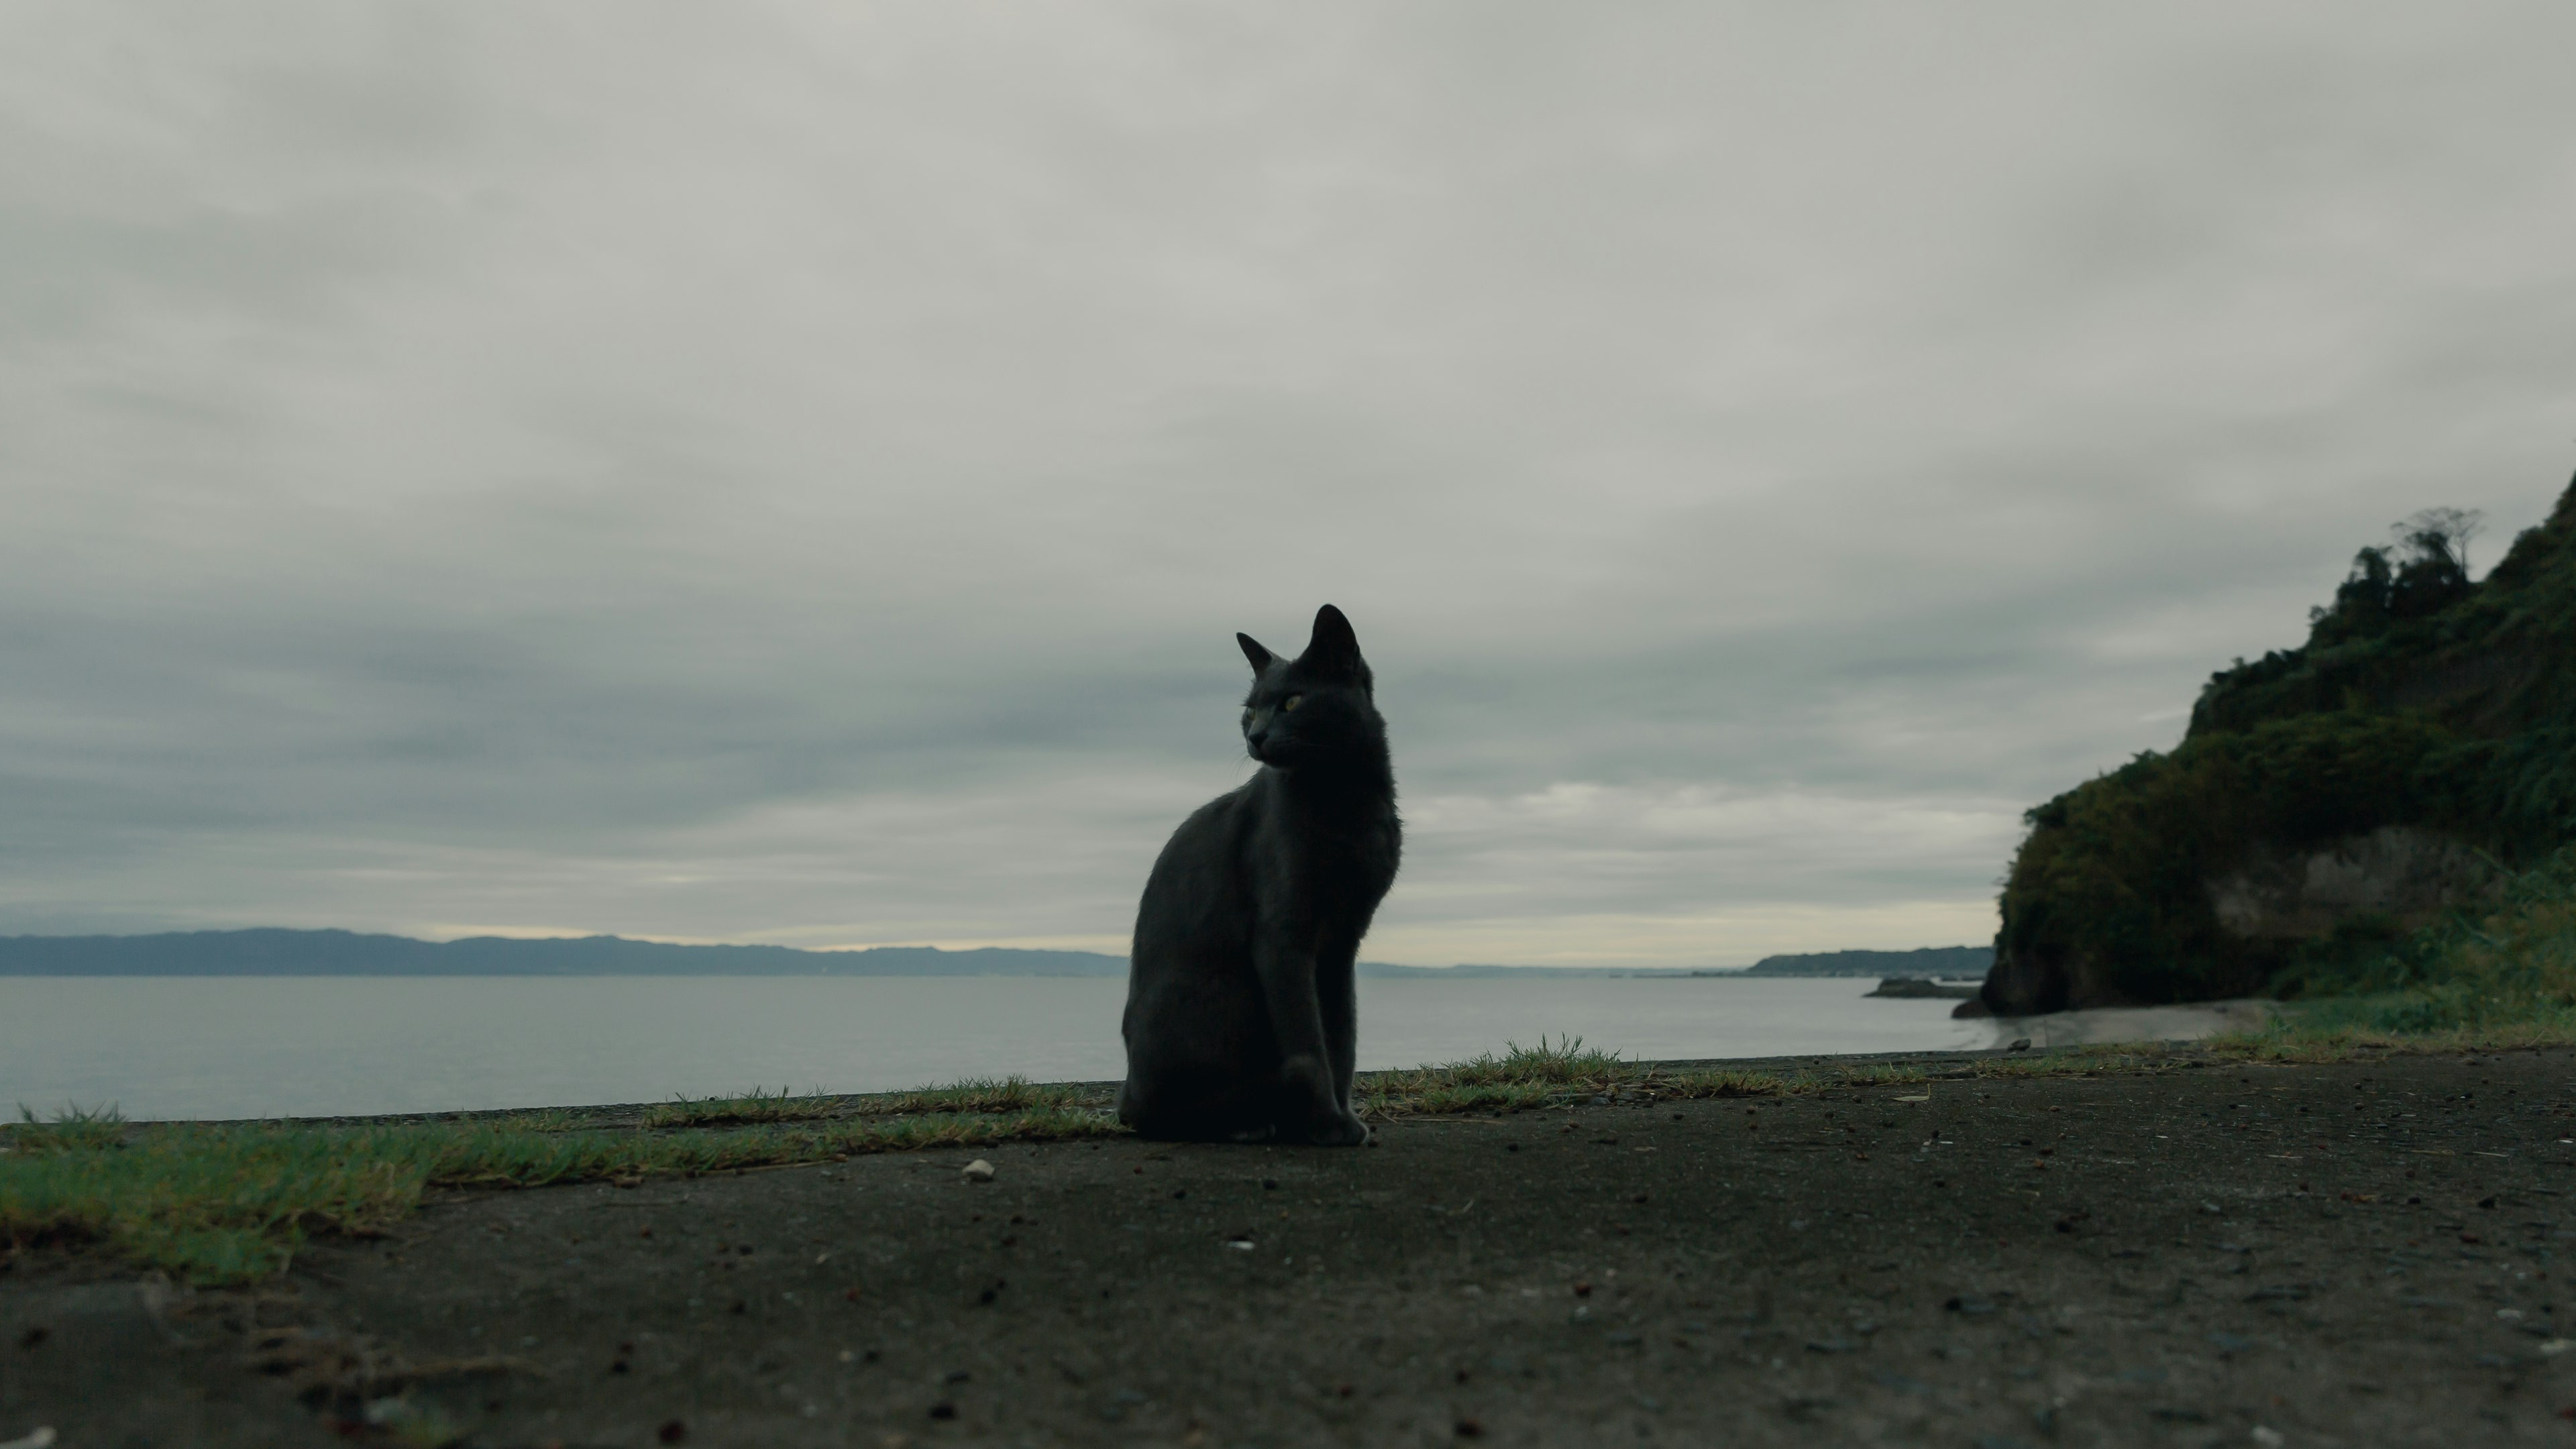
[1317,706]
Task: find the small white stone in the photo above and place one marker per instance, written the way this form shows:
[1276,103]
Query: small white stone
[979,1171]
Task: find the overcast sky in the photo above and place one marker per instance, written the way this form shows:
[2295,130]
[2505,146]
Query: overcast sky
[792,473]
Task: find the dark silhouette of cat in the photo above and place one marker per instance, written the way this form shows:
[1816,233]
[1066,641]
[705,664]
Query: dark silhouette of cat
[1240,1016]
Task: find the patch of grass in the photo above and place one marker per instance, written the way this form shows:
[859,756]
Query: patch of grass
[1566,1061]
[216,1204]
[2292,1040]
[1439,1100]
[1551,1074]
[1013,1093]
[2497,978]
[1520,1079]
[550,1119]
[752,1106]
[229,1204]
[1723,1083]
[1881,1074]
[974,1094]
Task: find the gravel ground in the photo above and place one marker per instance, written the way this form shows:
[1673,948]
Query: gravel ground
[2348,1254]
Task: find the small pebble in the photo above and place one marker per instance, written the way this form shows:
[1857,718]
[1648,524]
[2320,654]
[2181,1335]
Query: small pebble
[978,1171]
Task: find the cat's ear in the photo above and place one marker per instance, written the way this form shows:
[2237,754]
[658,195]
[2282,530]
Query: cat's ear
[1334,649]
[1253,651]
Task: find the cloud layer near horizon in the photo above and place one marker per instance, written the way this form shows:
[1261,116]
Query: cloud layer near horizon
[789,473]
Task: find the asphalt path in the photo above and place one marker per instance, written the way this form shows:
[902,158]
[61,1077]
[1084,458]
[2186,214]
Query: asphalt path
[2358,1253]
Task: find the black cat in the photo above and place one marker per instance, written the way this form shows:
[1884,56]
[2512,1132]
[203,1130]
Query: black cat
[1240,1018]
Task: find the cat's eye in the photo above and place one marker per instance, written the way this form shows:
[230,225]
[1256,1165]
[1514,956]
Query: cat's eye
[1292,701]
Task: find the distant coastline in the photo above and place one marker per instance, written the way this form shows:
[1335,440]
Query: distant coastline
[275,951]
[272,951]
[1923,963]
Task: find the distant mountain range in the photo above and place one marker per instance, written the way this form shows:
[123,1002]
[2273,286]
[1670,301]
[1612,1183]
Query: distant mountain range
[275,952]
[279,952]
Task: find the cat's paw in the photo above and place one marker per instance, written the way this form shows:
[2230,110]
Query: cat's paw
[1340,1130]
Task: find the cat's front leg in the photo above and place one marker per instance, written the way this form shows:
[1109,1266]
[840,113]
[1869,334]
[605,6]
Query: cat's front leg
[1310,1109]
[1336,992]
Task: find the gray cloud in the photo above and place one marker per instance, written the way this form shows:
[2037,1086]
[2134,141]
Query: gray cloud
[789,473]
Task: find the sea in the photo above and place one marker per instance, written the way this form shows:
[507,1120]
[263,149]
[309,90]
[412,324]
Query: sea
[200,1047]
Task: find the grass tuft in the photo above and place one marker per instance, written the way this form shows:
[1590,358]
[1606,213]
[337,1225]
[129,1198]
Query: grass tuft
[1013,1093]
[1551,1074]
[73,1129]
[755,1105]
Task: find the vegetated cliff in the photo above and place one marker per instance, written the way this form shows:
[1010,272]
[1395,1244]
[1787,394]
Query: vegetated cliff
[2326,799]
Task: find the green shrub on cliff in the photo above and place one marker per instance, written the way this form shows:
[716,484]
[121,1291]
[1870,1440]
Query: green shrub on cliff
[2421,700]
[2509,966]
[2113,871]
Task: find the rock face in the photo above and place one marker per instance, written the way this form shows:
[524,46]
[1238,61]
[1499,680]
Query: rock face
[2034,983]
[1904,987]
[2395,878]
[2401,873]
[2421,743]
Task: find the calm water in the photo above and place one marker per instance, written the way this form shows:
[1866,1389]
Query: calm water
[171,1047]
